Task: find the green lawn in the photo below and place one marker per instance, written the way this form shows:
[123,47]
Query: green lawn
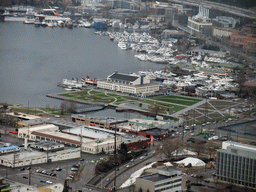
[177,100]
[170,104]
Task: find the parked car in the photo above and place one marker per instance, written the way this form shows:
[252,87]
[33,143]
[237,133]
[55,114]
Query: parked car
[22,169]
[74,169]
[58,169]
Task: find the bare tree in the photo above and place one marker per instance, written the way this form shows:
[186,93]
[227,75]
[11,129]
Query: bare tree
[170,147]
[63,106]
[72,107]
[197,147]
[211,147]
[155,108]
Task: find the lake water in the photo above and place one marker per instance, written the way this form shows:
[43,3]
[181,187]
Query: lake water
[34,60]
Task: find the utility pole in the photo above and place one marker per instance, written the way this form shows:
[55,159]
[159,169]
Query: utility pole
[115,161]
[81,141]
[29,176]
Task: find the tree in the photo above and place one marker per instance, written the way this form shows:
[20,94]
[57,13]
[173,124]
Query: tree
[197,147]
[170,147]
[155,108]
[211,148]
[63,106]
[71,107]
[5,106]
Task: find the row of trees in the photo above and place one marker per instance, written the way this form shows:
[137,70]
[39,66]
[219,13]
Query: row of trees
[170,148]
[122,156]
[68,106]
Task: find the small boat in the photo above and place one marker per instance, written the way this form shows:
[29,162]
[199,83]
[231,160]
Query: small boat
[50,24]
[29,21]
[87,24]
[60,23]
[122,45]
[44,24]
[37,24]
[70,25]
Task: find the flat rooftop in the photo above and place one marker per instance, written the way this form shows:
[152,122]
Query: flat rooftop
[23,116]
[108,120]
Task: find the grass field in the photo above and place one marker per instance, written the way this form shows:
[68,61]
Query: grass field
[168,104]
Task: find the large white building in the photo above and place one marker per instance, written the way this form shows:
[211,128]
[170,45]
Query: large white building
[236,164]
[200,23]
[93,140]
[136,85]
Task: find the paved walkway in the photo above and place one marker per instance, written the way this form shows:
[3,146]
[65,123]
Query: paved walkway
[177,114]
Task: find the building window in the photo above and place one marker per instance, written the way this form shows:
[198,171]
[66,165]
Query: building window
[234,39]
[248,45]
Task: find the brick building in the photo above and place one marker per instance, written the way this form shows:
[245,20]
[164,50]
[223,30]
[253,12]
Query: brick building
[246,38]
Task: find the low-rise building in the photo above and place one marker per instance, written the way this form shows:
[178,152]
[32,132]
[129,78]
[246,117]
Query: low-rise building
[92,139]
[32,157]
[236,164]
[244,40]
[221,32]
[166,179]
[226,22]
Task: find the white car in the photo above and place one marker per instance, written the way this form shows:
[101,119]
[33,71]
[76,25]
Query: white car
[49,182]
[127,166]
[142,157]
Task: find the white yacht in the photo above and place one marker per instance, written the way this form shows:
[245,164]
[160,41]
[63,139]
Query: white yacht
[122,45]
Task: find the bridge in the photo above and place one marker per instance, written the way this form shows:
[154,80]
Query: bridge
[218,6]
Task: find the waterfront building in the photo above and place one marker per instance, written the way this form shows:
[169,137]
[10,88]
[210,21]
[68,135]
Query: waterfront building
[166,179]
[236,164]
[136,85]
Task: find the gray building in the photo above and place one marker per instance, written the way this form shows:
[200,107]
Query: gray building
[236,164]
[166,179]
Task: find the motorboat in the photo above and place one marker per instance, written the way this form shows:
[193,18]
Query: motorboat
[44,24]
[87,24]
[122,45]
[61,23]
[50,24]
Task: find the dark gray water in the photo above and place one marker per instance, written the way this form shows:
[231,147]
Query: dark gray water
[33,60]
